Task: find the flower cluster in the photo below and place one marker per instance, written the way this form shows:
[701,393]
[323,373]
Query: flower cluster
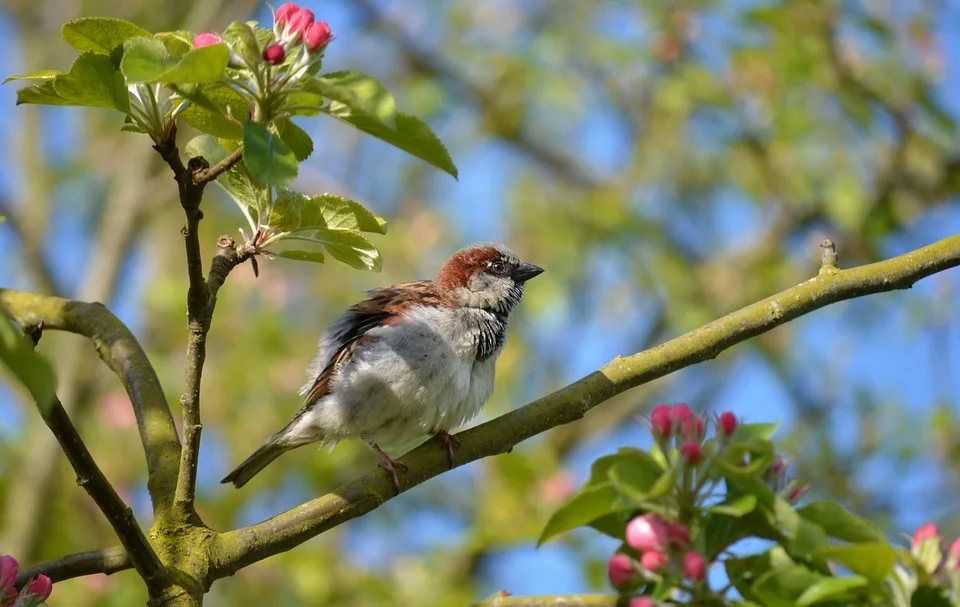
[925,548]
[664,549]
[32,594]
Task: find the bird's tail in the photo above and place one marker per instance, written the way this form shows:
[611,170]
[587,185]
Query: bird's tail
[261,458]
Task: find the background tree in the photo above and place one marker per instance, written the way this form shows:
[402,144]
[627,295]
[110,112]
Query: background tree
[666,164]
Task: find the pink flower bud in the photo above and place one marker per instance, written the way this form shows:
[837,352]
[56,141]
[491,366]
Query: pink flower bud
[693,428]
[694,567]
[777,466]
[40,587]
[678,535]
[10,594]
[924,533]
[300,21]
[727,423]
[284,13]
[206,39]
[317,36]
[680,415]
[620,569]
[796,494]
[690,452]
[274,54]
[646,533]
[8,571]
[660,421]
[653,561]
[642,601]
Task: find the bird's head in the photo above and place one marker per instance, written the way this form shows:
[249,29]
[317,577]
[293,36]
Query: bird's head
[487,275]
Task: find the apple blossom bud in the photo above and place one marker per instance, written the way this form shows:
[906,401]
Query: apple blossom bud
[653,561]
[796,494]
[620,569]
[300,21]
[924,533]
[641,601]
[646,533]
[10,595]
[777,466]
[692,428]
[283,14]
[660,421]
[40,587]
[694,567]
[8,571]
[206,39]
[274,54]
[678,535]
[690,452]
[727,423]
[680,415]
[317,36]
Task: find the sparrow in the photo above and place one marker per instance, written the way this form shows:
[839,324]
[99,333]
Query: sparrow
[413,360]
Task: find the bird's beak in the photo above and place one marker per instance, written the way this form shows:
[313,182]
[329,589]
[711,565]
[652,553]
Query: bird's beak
[525,271]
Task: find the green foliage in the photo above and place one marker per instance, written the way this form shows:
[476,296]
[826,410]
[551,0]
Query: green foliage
[31,369]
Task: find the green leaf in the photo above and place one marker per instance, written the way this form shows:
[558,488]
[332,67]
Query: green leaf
[634,475]
[362,94]
[586,507]
[93,81]
[411,135]
[208,147]
[208,112]
[41,94]
[43,75]
[100,35]
[831,589]
[781,587]
[314,256]
[285,215]
[296,138]
[269,160]
[33,371]
[736,507]
[332,212]
[840,523]
[302,103]
[874,561]
[241,188]
[747,432]
[244,41]
[147,60]
[347,246]
[177,43]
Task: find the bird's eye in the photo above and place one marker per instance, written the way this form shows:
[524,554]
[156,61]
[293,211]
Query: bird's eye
[497,267]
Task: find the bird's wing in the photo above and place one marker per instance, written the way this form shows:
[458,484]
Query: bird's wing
[384,307]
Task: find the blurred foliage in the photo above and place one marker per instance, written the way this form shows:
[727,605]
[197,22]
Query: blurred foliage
[666,162]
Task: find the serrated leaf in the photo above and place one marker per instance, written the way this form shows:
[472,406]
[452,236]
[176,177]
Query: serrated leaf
[411,135]
[41,94]
[237,183]
[874,561]
[314,256]
[296,138]
[840,523]
[586,507]
[206,146]
[43,75]
[99,35]
[285,214]
[268,159]
[177,43]
[332,212]
[244,41]
[361,93]
[831,589]
[33,371]
[146,60]
[93,81]
[208,112]
[349,247]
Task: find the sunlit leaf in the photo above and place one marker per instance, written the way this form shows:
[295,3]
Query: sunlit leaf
[873,561]
[206,146]
[209,109]
[296,138]
[268,159]
[840,523]
[332,212]
[93,81]
[314,256]
[100,35]
[586,507]
[147,60]
[43,75]
[360,93]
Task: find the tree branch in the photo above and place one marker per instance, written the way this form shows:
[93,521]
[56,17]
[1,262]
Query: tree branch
[205,176]
[242,547]
[121,351]
[118,514]
[502,599]
[107,560]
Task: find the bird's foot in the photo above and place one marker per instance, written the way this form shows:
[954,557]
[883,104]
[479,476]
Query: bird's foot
[449,441]
[389,464]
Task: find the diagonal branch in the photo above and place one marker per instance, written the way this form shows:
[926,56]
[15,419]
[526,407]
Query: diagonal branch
[121,351]
[107,560]
[118,514]
[242,547]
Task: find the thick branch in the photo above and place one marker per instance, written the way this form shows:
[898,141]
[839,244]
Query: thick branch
[108,560]
[121,351]
[118,514]
[561,600]
[248,545]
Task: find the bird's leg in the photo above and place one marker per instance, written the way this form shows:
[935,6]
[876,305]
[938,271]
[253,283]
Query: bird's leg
[389,464]
[450,441]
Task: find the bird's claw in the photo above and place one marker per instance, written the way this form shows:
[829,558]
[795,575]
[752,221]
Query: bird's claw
[449,441]
[390,465]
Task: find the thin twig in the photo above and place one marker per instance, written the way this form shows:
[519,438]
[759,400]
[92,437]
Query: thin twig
[118,514]
[242,547]
[205,176]
[107,560]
